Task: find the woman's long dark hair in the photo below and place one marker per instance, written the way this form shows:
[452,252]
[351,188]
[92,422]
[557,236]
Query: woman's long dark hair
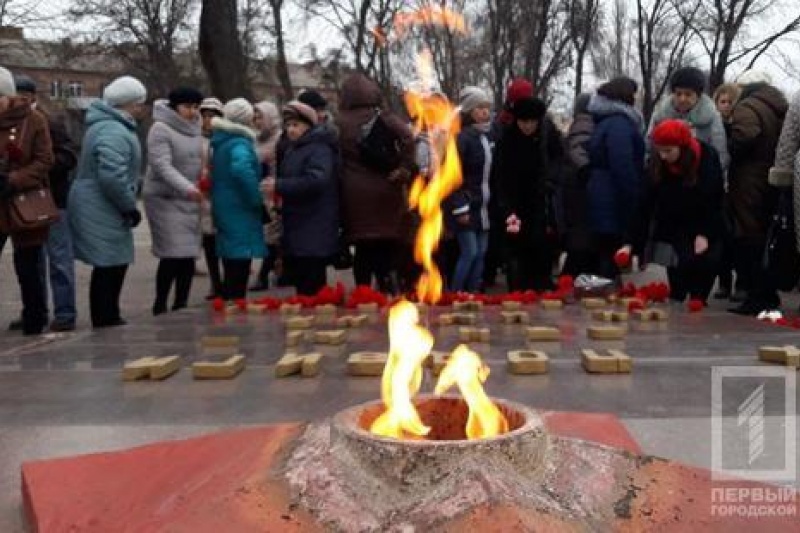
[686,167]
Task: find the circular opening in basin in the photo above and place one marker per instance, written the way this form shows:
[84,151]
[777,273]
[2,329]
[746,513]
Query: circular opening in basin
[447,417]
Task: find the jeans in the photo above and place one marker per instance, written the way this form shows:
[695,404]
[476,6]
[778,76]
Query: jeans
[61,265]
[469,268]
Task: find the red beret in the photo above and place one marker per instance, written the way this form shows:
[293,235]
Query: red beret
[672,132]
[518,89]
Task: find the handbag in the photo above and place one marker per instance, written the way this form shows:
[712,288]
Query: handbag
[379,146]
[781,260]
[31,209]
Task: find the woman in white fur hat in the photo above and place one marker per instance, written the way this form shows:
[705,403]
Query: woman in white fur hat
[102,202]
[235,195]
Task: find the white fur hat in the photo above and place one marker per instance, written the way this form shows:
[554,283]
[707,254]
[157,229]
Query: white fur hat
[749,77]
[7,85]
[239,110]
[123,91]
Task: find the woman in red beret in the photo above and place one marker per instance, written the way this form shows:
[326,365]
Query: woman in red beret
[679,224]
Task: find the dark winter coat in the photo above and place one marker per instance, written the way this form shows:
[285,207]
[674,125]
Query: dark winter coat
[676,213]
[574,200]
[308,183]
[755,129]
[616,152]
[526,170]
[475,153]
[372,207]
[65,155]
[29,170]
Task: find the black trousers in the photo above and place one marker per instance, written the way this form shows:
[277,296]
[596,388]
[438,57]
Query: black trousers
[530,266]
[237,272]
[307,274]
[604,246]
[375,259]
[105,287]
[693,278]
[212,262]
[27,265]
[177,271]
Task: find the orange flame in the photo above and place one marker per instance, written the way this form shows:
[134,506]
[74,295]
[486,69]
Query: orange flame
[430,16]
[465,370]
[437,117]
[409,345]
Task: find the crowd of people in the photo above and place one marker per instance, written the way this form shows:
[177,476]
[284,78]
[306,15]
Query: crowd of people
[300,188]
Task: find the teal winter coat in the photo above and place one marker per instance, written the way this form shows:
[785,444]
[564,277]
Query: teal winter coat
[105,188]
[236,201]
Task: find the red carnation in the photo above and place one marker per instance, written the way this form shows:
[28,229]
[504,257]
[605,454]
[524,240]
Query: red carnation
[695,305]
[204,184]
[566,282]
[782,322]
[241,304]
[635,305]
[218,304]
[622,258]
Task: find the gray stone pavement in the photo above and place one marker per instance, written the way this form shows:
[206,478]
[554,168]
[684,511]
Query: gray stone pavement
[61,395]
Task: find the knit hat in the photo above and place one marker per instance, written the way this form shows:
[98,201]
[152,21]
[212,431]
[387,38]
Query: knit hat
[239,110]
[313,99]
[24,84]
[184,95]
[518,89]
[300,111]
[752,76]
[270,113]
[471,98]
[529,109]
[620,89]
[7,86]
[213,105]
[124,91]
[688,78]
[672,132]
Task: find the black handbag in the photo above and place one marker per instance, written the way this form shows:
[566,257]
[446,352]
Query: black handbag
[379,146]
[781,261]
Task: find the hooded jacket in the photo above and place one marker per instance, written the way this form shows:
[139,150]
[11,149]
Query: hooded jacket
[174,155]
[704,119]
[105,188]
[756,125]
[372,206]
[236,202]
[616,154]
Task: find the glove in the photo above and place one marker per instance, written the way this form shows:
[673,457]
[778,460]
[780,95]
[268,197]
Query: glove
[133,218]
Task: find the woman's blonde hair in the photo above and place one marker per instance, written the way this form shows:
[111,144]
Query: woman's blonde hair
[731,89]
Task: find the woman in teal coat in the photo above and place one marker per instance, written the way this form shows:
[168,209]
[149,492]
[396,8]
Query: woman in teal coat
[236,200]
[102,201]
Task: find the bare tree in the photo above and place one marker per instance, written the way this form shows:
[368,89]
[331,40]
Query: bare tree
[722,27]
[502,42]
[221,50]
[585,17]
[663,38]
[147,33]
[362,24]
[256,16]
[615,52]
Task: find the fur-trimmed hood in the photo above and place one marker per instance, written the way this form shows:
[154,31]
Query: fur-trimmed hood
[701,116]
[227,126]
[600,107]
[163,113]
